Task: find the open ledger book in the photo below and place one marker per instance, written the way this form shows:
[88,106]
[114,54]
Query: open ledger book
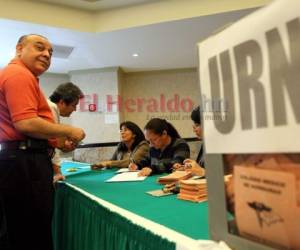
[127,176]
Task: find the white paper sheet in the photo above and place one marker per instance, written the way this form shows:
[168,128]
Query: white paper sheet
[125,170]
[122,170]
[128,176]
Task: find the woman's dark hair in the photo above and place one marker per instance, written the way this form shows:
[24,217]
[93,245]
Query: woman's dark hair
[139,135]
[158,126]
[195,115]
[67,92]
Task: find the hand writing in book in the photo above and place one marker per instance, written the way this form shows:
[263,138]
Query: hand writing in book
[194,167]
[145,172]
[177,166]
[132,167]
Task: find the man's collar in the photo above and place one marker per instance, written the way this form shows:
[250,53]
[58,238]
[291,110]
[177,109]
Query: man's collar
[19,62]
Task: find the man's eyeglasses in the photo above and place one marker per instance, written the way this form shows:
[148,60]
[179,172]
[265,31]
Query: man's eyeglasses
[155,139]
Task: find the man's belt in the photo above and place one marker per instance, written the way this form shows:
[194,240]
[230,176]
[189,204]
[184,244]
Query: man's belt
[27,144]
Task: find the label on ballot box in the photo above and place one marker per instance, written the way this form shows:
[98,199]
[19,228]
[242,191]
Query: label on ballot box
[249,80]
[266,206]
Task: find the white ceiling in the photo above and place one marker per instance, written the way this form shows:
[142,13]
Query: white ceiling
[167,45]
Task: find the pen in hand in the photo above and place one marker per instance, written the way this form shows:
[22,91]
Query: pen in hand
[177,166]
[132,166]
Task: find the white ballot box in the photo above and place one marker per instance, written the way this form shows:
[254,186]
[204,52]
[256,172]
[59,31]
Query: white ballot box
[249,79]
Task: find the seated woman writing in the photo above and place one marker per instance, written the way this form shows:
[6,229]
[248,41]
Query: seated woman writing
[167,149]
[132,148]
[196,166]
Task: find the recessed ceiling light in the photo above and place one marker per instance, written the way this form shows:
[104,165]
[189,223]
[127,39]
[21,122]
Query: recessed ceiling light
[135,55]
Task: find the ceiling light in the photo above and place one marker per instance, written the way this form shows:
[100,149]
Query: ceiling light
[62,51]
[135,55]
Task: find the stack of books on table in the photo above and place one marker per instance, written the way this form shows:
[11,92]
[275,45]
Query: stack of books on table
[193,190]
[174,177]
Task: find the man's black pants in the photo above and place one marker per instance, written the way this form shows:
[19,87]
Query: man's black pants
[26,200]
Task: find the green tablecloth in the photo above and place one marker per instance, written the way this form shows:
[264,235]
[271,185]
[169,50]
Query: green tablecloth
[185,217]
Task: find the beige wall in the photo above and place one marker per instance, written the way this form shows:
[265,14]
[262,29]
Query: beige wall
[142,95]
[49,82]
[97,84]
[136,97]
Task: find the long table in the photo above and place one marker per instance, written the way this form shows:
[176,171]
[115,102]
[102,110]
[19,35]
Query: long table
[92,214]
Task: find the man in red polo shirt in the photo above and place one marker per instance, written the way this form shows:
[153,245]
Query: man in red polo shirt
[26,128]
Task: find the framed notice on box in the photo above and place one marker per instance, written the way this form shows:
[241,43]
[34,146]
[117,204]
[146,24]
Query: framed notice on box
[266,206]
